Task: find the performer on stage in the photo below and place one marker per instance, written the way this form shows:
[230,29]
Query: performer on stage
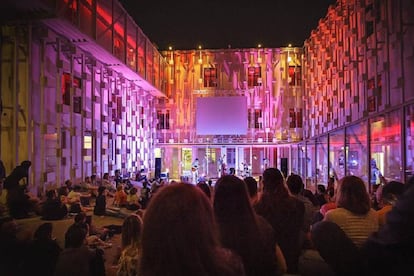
[194,171]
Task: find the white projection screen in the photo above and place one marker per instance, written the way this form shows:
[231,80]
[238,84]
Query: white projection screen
[221,116]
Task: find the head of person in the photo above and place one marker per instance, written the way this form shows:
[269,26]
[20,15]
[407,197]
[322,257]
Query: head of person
[234,212]
[101,190]
[389,193]
[205,188]
[295,184]
[51,194]
[43,232]
[75,236]
[179,225]
[106,176]
[133,191]
[352,195]
[274,182]
[26,164]
[131,230]
[80,217]
[77,188]
[321,189]
[231,198]
[251,184]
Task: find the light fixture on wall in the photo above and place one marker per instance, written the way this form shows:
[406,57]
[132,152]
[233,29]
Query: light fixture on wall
[200,57]
[289,58]
[259,58]
[171,61]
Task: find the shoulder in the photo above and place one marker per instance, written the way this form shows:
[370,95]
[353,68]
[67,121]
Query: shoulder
[231,263]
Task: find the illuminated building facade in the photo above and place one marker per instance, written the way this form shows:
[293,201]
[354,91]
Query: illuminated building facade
[359,94]
[84,91]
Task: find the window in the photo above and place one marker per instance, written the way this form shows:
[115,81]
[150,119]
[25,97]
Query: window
[163,119]
[255,118]
[66,85]
[254,76]
[210,77]
[292,116]
[294,75]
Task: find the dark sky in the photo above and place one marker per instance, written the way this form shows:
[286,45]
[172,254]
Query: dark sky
[215,24]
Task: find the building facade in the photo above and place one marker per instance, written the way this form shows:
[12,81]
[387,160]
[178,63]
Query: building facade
[84,91]
[359,92]
[79,81]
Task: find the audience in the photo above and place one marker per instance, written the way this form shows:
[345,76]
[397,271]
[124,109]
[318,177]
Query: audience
[110,185]
[132,199]
[205,188]
[353,214]
[296,186]
[100,203]
[53,208]
[74,200]
[120,197]
[94,236]
[390,251]
[77,258]
[320,194]
[252,188]
[285,213]
[241,230]
[387,196]
[42,253]
[12,249]
[145,195]
[180,236]
[337,250]
[131,233]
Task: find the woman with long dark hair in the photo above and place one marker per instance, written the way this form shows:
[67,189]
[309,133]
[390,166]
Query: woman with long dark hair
[285,213]
[180,236]
[242,230]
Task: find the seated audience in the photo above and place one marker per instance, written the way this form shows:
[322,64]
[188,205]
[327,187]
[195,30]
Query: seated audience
[74,200]
[390,251]
[53,208]
[43,252]
[21,203]
[353,214]
[13,249]
[296,186]
[77,258]
[100,203]
[68,185]
[107,183]
[337,249]
[205,188]
[387,196]
[133,199]
[285,213]
[120,197]
[252,189]
[320,194]
[131,234]
[145,195]
[180,236]
[243,231]
[95,236]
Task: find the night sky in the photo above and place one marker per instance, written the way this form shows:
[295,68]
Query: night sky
[218,24]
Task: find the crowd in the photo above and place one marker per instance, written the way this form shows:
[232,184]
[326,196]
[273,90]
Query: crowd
[236,227]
